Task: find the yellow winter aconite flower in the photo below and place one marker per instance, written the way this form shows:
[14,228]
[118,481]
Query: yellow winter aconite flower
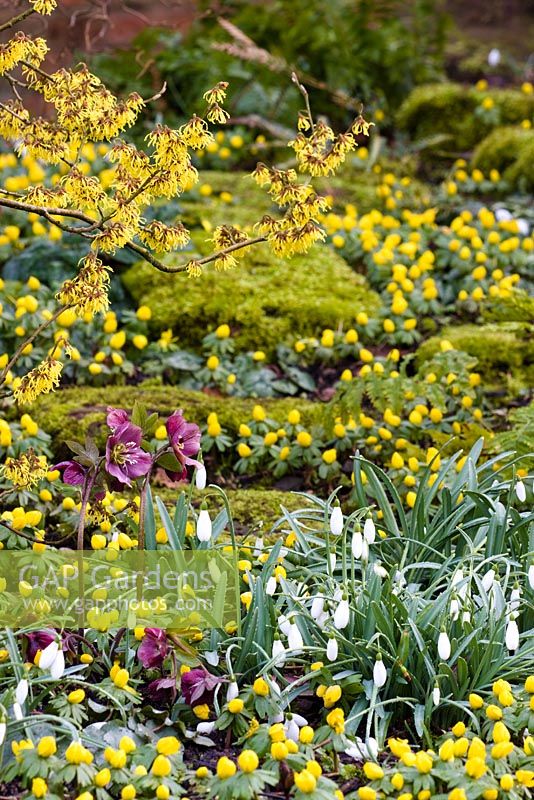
[225,768]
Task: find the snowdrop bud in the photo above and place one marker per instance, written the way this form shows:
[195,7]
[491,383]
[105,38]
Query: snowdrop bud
[270,586]
[203,526]
[466,617]
[342,614]
[357,543]
[205,727]
[521,491]
[512,634]
[300,720]
[322,620]
[380,674]
[278,651]
[17,712]
[379,570]
[487,580]
[531,576]
[276,718]
[294,638]
[3,728]
[333,559]
[332,648]
[233,691]
[502,215]
[258,546]
[369,531]
[436,695]
[444,645]
[200,477]
[365,551]
[336,520]
[494,57]
[58,667]
[454,609]
[21,692]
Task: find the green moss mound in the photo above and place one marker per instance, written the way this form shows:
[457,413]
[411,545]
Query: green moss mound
[73,413]
[253,510]
[511,151]
[504,351]
[266,300]
[445,112]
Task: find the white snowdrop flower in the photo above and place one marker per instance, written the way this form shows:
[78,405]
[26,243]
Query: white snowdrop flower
[515,598]
[277,718]
[3,729]
[338,594]
[270,586]
[357,543]
[444,646]
[258,546]
[436,695]
[284,625]
[203,526]
[232,692]
[531,576]
[379,570]
[278,651]
[58,666]
[205,727]
[292,730]
[336,520]
[466,617]
[380,674]
[17,711]
[523,226]
[212,657]
[49,654]
[365,551]
[200,477]
[369,531]
[342,615]
[294,638]
[275,688]
[322,620]
[360,750]
[502,215]
[494,57]
[521,491]
[317,606]
[332,649]
[454,609]
[333,560]
[21,692]
[512,635]
[487,580]
[300,720]
[399,578]
[459,583]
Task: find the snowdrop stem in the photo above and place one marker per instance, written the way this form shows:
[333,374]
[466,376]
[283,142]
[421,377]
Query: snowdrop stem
[231,526]
[371,713]
[327,538]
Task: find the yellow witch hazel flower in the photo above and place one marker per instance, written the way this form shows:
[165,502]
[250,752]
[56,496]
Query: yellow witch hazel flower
[26,470]
[44,6]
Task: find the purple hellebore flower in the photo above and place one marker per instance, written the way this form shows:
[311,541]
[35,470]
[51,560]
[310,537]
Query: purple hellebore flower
[185,441]
[73,473]
[162,691]
[38,640]
[198,686]
[116,418]
[125,459]
[153,648]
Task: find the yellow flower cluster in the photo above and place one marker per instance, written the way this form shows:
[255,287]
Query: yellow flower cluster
[26,470]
